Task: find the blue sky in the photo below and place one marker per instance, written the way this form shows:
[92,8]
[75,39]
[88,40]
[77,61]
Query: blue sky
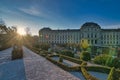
[60,14]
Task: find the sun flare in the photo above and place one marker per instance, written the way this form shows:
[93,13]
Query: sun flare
[21,31]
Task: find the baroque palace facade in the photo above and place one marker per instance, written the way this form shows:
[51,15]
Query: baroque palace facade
[89,31]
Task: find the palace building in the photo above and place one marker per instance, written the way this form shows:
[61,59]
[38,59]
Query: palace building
[90,31]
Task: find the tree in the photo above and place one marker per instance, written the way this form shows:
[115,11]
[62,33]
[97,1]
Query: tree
[8,37]
[84,44]
[85,56]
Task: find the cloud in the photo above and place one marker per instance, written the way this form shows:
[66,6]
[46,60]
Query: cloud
[32,11]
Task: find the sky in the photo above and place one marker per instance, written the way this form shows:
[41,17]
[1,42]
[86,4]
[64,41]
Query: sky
[59,14]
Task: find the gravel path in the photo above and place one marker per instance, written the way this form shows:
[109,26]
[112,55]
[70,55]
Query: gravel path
[5,55]
[38,68]
[11,69]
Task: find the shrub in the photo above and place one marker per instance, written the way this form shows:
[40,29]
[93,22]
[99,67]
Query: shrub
[44,53]
[17,53]
[117,75]
[107,60]
[105,50]
[44,46]
[116,63]
[85,56]
[101,59]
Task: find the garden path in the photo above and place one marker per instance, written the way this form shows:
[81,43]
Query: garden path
[38,68]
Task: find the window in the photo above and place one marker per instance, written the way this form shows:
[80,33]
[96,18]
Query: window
[88,41]
[95,35]
[95,41]
[91,41]
[88,35]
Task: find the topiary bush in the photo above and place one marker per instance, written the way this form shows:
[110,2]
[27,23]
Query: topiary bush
[85,56]
[17,53]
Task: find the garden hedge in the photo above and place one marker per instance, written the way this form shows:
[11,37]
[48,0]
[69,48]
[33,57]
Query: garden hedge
[98,69]
[78,61]
[65,67]
[104,69]
[87,75]
[111,74]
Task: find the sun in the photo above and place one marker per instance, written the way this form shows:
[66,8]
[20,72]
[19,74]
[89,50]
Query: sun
[21,31]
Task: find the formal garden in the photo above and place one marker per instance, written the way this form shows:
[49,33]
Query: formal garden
[103,66]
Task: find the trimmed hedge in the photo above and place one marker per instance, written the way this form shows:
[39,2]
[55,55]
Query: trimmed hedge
[72,59]
[17,53]
[4,47]
[38,51]
[111,74]
[104,69]
[84,63]
[87,75]
[63,66]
